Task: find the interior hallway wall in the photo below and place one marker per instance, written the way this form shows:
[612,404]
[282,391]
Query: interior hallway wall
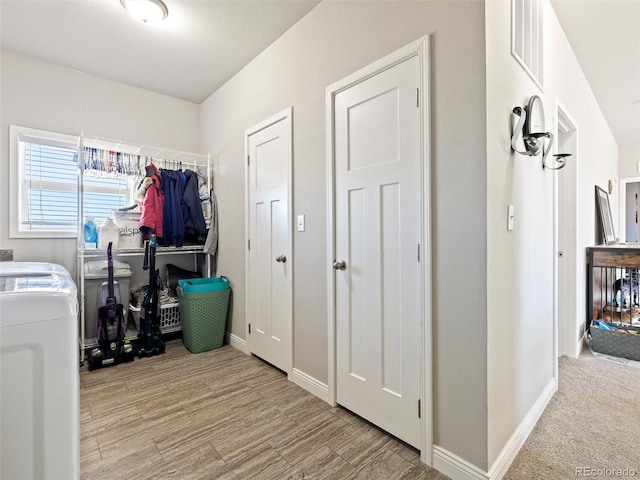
[629,156]
[520,262]
[334,40]
[44,96]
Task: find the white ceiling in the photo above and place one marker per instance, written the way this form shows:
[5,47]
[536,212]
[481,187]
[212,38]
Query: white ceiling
[605,36]
[200,45]
[204,42]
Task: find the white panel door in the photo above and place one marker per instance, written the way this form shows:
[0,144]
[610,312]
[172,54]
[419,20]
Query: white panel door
[378,232]
[269,259]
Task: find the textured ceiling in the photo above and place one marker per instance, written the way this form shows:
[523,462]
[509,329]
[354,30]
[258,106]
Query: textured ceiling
[200,45]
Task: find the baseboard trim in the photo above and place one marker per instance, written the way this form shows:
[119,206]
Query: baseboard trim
[236,342]
[456,467]
[513,446]
[460,469]
[310,384]
[582,343]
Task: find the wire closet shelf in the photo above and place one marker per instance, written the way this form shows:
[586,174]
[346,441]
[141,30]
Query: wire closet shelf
[106,157]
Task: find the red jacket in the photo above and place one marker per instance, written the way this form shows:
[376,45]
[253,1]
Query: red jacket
[152,206]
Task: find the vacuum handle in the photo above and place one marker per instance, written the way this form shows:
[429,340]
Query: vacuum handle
[145,263]
[110,270]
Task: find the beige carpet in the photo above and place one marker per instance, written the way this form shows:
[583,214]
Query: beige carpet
[591,427]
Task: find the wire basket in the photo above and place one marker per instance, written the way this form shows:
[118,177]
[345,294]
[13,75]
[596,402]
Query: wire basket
[169,317]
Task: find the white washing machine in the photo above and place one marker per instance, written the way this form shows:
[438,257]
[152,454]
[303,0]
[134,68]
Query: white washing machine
[39,377]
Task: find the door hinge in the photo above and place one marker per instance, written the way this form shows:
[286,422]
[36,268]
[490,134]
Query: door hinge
[417,97]
[249,329]
[248,161]
[418,252]
[419,410]
[248,244]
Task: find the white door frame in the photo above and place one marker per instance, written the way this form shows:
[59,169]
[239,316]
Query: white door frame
[418,48]
[622,205]
[287,116]
[565,328]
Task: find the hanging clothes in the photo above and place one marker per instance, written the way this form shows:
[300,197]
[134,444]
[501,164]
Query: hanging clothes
[205,198]
[211,244]
[195,228]
[173,187]
[151,208]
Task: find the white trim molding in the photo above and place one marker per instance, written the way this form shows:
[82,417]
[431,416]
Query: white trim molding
[310,384]
[237,342]
[513,446]
[460,469]
[421,49]
[456,467]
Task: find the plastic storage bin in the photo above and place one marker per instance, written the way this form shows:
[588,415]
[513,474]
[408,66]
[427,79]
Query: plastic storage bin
[96,285]
[203,313]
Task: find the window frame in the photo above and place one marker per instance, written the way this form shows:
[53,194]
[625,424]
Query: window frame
[18,205]
[527,38]
[16,184]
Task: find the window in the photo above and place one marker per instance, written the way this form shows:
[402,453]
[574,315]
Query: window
[44,186]
[527,38]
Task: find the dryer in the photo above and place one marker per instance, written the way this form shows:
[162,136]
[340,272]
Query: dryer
[39,372]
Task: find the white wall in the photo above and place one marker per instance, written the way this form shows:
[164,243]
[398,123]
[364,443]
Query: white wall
[332,41]
[41,95]
[520,263]
[628,157]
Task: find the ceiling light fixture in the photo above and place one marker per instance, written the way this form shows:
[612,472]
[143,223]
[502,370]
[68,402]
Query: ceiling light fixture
[146,11]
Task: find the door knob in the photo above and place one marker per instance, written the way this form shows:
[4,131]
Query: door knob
[339,265]
[281,258]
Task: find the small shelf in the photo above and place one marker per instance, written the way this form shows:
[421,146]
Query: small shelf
[135,252]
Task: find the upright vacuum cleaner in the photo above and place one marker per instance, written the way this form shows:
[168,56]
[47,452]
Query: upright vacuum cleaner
[150,342]
[111,329]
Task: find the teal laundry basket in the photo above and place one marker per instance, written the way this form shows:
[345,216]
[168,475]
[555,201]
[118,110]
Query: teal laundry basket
[201,285]
[203,312]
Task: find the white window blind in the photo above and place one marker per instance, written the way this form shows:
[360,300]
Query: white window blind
[527,37]
[49,187]
[45,186]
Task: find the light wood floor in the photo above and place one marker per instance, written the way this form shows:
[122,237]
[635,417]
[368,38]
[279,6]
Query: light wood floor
[225,415]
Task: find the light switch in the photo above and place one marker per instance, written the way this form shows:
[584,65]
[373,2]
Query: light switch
[301,223]
[510,215]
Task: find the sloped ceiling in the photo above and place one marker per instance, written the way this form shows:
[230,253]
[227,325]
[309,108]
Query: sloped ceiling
[605,36]
[200,45]
[203,43]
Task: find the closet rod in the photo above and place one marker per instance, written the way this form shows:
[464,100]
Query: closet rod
[144,150]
